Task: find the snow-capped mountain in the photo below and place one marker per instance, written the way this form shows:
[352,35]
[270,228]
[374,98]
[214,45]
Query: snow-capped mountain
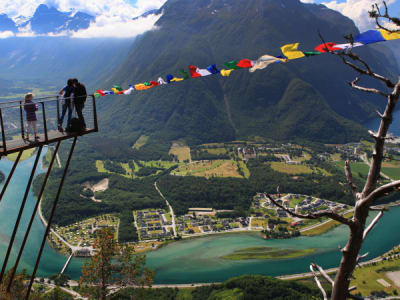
[47,20]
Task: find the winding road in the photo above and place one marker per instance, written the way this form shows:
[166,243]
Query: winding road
[170,209]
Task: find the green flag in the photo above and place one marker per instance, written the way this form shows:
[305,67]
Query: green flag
[232,65]
[184,74]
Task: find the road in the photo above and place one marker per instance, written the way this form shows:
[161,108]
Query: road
[365,160]
[170,209]
[323,223]
[73,248]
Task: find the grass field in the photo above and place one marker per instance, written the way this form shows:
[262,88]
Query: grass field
[217,168]
[128,171]
[217,151]
[304,157]
[293,201]
[336,157]
[356,168]
[244,168]
[393,173]
[141,142]
[182,152]
[290,169]
[258,222]
[267,253]
[366,277]
[25,155]
[100,167]
[157,164]
[324,228]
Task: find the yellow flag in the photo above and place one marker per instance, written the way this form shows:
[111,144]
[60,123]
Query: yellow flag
[291,52]
[177,79]
[226,73]
[389,35]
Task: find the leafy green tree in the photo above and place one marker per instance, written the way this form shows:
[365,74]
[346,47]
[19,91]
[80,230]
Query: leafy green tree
[114,264]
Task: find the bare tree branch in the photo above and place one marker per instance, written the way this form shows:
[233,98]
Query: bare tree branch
[349,177]
[376,14]
[372,225]
[323,273]
[364,71]
[360,257]
[314,215]
[318,283]
[380,192]
[354,85]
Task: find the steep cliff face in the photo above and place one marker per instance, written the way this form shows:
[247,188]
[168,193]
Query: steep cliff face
[308,98]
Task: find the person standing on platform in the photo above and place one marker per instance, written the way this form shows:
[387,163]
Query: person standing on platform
[30,109]
[66,104]
[79,101]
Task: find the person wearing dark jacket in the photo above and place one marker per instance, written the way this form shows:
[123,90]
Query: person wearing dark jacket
[66,92]
[79,100]
[30,109]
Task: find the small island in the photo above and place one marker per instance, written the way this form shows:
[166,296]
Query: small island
[267,253]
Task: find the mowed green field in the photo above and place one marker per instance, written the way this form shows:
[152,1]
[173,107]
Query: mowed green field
[290,169]
[214,168]
[356,168]
[141,142]
[392,170]
[366,277]
[182,152]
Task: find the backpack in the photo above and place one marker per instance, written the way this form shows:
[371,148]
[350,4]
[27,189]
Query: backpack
[75,125]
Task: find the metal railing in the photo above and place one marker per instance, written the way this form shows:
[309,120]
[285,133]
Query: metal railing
[15,126]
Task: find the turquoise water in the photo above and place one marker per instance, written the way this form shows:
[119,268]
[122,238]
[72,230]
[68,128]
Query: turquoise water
[196,260]
[51,261]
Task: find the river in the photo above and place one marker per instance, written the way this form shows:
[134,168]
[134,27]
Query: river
[194,260]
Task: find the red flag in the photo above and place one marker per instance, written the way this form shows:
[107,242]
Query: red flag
[327,47]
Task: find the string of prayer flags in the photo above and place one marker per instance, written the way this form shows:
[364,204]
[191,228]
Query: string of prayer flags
[291,51]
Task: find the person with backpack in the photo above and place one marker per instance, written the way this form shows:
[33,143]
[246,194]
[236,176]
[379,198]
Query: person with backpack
[67,92]
[79,101]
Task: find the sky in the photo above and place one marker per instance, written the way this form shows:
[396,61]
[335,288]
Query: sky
[357,10]
[114,17]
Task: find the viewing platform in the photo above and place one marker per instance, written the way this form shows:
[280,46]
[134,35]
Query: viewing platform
[49,111]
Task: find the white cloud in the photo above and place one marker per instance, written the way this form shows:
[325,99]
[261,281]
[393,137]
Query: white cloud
[6,34]
[113,17]
[357,10]
[117,27]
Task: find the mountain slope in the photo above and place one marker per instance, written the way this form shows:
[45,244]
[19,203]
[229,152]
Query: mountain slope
[7,24]
[276,102]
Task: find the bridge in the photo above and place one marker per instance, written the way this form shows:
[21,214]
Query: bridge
[14,139]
